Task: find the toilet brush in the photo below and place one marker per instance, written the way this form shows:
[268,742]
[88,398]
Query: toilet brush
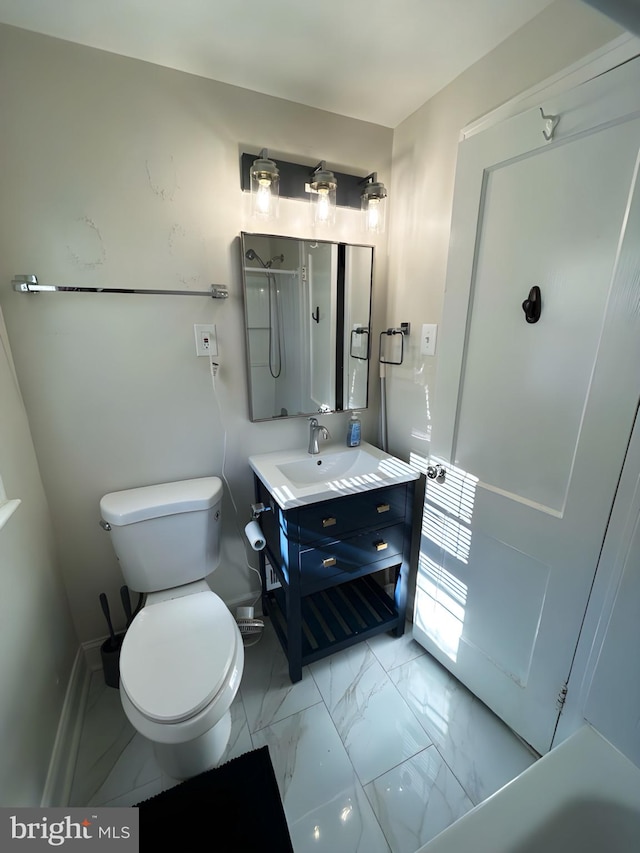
[107,615]
[126,604]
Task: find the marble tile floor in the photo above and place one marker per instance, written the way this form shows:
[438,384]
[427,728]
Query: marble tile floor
[376,750]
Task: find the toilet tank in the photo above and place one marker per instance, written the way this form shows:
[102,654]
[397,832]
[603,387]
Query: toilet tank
[165,535]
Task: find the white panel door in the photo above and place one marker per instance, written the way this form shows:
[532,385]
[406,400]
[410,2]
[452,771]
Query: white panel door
[532,420]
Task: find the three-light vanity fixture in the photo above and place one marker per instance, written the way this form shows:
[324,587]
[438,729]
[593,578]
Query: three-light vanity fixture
[267,181]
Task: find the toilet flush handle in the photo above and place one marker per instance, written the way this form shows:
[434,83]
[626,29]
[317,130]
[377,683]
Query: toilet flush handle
[105,525]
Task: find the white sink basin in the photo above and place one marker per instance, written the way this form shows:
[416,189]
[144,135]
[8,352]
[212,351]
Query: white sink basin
[296,478]
[329,466]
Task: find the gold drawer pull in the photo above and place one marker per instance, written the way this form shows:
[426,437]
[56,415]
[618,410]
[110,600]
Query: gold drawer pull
[383,507]
[380,545]
[330,561]
[328,522]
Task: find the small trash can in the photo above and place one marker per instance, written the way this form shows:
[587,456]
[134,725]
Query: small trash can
[110,653]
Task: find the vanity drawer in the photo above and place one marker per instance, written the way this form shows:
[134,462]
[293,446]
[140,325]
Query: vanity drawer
[331,519]
[351,554]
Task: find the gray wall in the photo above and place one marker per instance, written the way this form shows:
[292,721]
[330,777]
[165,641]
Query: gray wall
[38,640]
[120,173]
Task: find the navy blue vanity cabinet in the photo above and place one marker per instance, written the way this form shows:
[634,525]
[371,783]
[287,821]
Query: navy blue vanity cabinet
[325,556]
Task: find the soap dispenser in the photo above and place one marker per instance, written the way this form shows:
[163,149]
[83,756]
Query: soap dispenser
[354,430]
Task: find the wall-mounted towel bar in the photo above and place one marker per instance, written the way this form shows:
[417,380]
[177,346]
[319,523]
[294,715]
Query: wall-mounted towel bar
[29,284]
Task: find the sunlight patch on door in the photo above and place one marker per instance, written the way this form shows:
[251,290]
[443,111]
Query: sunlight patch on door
[447,533]
[441,596]
[440,606]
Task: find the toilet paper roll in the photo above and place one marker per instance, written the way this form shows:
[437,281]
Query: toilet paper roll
[254,534]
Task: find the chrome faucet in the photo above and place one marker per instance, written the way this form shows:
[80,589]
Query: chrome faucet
[314,429]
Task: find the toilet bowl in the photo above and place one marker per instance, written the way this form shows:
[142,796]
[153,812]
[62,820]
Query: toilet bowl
[180,667]
[182,657]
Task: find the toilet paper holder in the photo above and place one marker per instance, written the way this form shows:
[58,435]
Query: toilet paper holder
[258,509]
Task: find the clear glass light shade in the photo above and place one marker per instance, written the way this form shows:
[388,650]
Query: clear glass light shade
[265,189]
[323,197]
[374,206]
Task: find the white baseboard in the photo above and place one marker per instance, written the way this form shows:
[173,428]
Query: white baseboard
[57,788]
[92,653]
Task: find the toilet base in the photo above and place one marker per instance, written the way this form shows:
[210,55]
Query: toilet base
[184,760]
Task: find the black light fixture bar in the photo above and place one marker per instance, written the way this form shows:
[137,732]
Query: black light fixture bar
[294,177]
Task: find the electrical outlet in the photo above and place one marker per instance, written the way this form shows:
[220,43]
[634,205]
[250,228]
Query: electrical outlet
[428,339]
[206,339]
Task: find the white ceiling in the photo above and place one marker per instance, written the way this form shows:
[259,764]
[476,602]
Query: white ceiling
[376,60]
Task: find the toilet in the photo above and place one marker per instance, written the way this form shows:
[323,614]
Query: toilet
[182,657]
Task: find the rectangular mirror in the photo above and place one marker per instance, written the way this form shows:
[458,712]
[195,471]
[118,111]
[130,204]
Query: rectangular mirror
[307,320]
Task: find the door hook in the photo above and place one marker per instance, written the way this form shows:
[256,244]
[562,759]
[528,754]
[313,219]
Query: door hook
[550,124]
[316,316]
[532,306]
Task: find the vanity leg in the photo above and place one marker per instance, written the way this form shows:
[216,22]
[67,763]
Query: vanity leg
[264,598]
[294,631]
[295,672]
[401,599]
[398,631]
[408,558]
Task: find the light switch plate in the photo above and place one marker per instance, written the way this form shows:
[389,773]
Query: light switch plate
[428,339]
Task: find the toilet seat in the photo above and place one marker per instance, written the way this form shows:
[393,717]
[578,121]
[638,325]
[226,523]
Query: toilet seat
[177,655]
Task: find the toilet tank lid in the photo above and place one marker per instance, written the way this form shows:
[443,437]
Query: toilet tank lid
[132,505]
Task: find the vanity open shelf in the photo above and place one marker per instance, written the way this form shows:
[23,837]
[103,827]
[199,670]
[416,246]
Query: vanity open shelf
[336,618]
[331,557]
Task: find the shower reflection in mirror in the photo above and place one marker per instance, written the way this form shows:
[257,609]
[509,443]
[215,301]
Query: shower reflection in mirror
[303,300]
[274,312]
